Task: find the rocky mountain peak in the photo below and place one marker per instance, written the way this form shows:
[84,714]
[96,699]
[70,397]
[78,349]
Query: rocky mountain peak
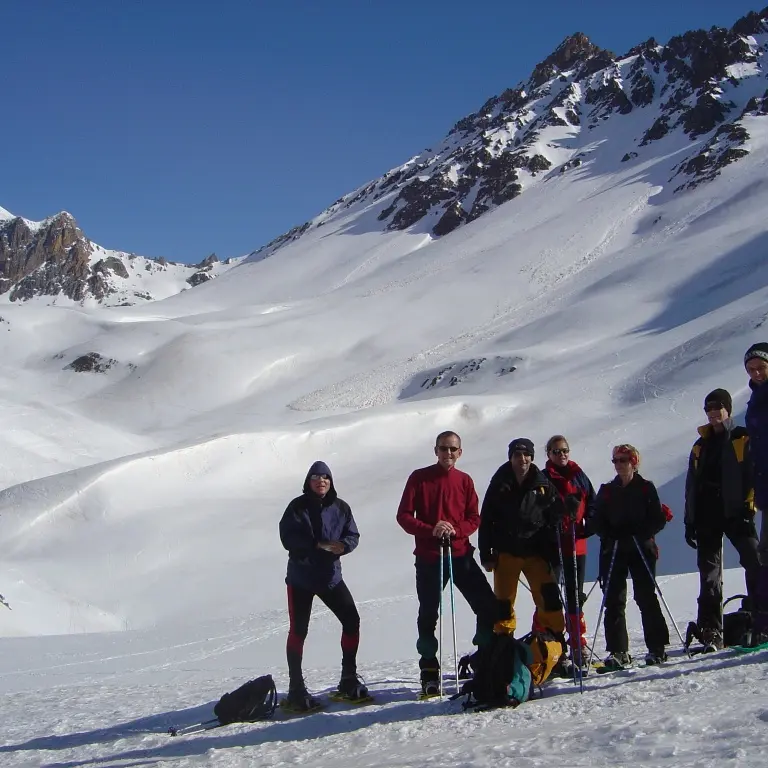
[574,50]
[702,87]
[53,258]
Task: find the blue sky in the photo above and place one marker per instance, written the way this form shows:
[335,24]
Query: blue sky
[177,128]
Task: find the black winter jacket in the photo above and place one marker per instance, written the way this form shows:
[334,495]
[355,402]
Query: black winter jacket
[624,512]
[520,520]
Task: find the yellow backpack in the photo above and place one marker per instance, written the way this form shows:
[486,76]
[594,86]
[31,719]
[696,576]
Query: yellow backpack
[546,650]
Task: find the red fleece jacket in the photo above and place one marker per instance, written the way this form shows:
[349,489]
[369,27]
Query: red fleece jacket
[433,494]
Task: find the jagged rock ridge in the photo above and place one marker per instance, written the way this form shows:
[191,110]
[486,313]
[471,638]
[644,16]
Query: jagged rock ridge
[703,85]
[54,259]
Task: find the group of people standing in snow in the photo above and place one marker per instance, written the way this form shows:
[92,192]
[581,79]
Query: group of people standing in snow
[535,522]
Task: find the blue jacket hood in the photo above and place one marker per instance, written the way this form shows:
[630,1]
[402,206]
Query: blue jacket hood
[319,468]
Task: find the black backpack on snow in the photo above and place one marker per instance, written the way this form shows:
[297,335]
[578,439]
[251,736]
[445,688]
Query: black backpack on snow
[254,700]
[736,626]
[501,674]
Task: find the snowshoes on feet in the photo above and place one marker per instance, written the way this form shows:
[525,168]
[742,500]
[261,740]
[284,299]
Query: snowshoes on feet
[430,678]
[351,688]
[711,641]
[300,702]
[655,656]
[617,660]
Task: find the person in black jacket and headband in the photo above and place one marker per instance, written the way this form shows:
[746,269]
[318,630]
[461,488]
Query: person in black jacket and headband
[628,514]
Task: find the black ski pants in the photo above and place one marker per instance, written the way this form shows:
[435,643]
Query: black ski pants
[628,562]
[743,535]
[469,579]
[571,584]
[340,602]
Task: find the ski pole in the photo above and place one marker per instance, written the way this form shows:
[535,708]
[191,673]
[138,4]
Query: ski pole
[602,604]
[564,592]
[661,595]
[577,615]
[722,587]
[447,541]
[440,646]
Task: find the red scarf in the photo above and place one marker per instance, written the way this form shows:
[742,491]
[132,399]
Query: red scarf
[562,479]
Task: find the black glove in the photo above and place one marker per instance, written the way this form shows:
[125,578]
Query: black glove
[690,537]
[572,503]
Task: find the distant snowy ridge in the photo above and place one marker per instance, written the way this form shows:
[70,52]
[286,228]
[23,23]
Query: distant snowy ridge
[54,261]
[697,94]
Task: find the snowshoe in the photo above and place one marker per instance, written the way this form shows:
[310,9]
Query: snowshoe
[615,661]
[430,678]
[430,683]
[300,702]
[655,656]
[351,689]
[711,641]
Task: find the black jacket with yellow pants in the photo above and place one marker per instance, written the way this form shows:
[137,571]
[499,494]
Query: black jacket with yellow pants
[518,534]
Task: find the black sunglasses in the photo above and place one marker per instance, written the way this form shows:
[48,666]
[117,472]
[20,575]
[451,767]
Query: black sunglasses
[621,460]
[523,453]
[713,406]
[561,451]
[447,448]
[319,477]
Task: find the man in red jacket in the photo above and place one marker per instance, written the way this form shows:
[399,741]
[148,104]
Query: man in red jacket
[439,502]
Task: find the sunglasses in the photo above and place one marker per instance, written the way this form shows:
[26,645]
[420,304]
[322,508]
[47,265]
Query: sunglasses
[714,407]
[561,451]
[448,448]
[319,477]
[621,460]
[523,453]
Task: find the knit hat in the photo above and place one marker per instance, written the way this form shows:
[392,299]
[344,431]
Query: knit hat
[520,444]
[720,396]
[757,350]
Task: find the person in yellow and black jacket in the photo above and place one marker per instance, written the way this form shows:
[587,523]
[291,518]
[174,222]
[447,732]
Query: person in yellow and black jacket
[519,522]
[719,500]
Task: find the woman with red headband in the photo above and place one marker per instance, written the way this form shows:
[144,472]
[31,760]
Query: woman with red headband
[628,515]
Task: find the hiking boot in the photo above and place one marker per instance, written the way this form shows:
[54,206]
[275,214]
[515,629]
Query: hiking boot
[299,699]
[572,664]
[430,676]
[617,660]
[711,641]
[465,668]
[562,668]
[352,687]
[655,656]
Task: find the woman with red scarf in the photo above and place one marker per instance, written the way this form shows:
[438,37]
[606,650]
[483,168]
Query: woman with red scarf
[578,496]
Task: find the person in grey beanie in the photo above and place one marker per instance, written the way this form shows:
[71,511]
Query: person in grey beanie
[719,500]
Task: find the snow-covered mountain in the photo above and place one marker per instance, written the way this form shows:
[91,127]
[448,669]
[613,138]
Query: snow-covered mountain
[582,104]
[54,262]
[149,451]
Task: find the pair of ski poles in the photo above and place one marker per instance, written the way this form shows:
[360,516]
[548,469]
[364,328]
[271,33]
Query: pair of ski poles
[445,543]
[655,584]
[575,615]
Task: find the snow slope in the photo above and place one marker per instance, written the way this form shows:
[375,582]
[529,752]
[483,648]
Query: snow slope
[108,700]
